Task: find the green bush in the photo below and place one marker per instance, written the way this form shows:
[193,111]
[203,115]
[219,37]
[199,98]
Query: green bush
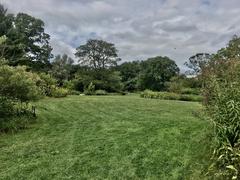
[196,98]
[17,88]
[90,90]
[169,96]
[59,92]
[74,92]
[17,83]
[6,107]
[100,92]
[193,91]
[47,84]
[15,122]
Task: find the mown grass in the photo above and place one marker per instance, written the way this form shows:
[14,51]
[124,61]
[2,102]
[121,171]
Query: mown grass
[108,137]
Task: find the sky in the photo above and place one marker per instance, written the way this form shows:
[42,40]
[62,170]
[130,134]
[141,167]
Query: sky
[139,28]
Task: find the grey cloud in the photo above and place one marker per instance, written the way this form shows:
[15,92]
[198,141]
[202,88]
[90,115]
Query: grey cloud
[139,28]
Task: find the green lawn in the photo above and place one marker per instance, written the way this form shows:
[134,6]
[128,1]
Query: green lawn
[108,137]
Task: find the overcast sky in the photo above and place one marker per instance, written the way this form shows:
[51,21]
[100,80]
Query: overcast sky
[139,28]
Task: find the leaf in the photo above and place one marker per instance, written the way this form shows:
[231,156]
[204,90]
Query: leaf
[232,167]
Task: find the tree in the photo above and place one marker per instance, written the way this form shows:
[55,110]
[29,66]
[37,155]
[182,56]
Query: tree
[232,51]
[6,21]
[97,54]
[155,72]
[35,41]
[27,43]
[129,72]
[61,68]
[197,63]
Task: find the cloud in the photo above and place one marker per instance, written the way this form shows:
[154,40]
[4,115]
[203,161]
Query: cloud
[139,28]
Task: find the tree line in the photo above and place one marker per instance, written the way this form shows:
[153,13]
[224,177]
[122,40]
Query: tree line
[26,43]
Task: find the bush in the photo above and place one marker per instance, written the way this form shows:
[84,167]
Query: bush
[17,83]
[14,123]
[193,91]
[59,92]
[73,92]
[123,93]
[170,96]
[6,107]
[195,98]
[90,90]
[100,92]
[222,100]
[47,84]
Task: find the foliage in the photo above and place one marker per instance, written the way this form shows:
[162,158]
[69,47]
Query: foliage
[97,54]
[222,100]
[170,96]
[129,72]
[90,90]
[193,91]
[197,63]
[175,84]
[74,92]
[59,92]
[100,92]
[183,85]
[17,83]
[6,107]
[155,72]
[61,68]
[17,89]
[47,84]
[105,79]
[26,43]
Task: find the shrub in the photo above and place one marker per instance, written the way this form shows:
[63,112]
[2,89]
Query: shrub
[73,92]
[47,84]
[169,96]
[14,123]
[193,91]
[123,93]
[222,100]
[90,90]
[100,92]
[196,98]
[18,84]
[6,107]
[59,92]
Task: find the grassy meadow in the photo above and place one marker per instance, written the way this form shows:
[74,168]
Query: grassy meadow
[109,137]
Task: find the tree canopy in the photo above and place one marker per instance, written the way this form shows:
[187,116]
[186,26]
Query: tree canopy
[197,62]
[97,54]
[27,43]
[156,71]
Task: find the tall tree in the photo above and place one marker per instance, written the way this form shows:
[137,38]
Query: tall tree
[97,54]
[232,51]
[197,63]
[61,68]
[35,41]
[129,72]
[27,43]
[155,72]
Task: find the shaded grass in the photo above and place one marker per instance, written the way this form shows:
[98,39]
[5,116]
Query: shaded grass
[108,137]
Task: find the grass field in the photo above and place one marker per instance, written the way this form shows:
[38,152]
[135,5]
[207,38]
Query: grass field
[108,137]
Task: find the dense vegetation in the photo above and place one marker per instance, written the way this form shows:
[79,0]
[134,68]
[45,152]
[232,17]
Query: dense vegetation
[221,90]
